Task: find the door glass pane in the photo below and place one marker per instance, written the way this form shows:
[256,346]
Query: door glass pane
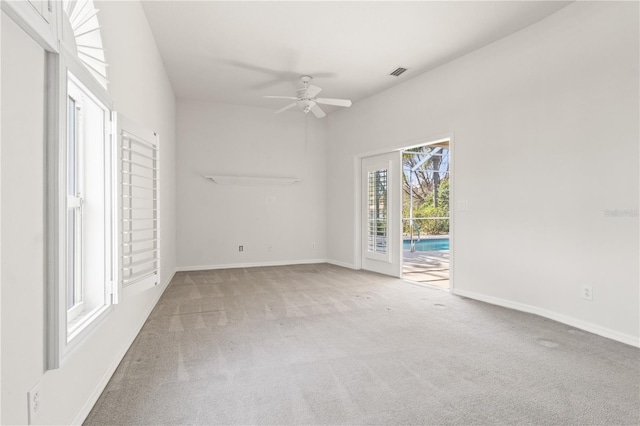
[377,211]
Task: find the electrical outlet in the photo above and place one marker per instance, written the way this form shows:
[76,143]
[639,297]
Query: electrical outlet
[240,248]
[587,292]
[33,403]
[269,246]
[313,245]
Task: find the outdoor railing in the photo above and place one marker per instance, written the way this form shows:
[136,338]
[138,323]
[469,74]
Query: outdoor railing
[413,226]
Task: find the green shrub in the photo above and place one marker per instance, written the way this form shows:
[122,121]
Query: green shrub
[427,209]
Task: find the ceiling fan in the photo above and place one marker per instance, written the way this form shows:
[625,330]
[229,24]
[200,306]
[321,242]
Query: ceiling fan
[306,99]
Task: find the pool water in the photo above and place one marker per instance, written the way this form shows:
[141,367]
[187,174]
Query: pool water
[428,245]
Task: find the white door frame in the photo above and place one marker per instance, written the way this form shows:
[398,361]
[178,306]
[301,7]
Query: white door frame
[357,188]
[451,199]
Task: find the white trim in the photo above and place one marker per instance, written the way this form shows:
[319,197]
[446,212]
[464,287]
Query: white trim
[104,380]
[250,265]
[452,200]
[342,264]
[82,75]
[357,212]
[55,172]
[574,322]
[452,208]
[35,25]
[401,146]
[86,321]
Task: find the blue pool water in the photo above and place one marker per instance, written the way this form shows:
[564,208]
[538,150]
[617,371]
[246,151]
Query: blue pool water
[428,245]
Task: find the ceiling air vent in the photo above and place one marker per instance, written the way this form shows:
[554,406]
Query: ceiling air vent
[398,71]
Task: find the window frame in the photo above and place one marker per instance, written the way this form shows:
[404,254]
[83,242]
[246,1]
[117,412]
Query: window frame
[74,202]
[375,167]
[62,334]
[374,218]
[85,310]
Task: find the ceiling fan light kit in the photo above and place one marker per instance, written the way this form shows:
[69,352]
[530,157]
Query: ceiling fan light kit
[306,99]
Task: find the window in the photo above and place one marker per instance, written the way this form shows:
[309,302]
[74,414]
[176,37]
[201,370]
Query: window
[377,211]
[89,223]
[102,219]
[82,16]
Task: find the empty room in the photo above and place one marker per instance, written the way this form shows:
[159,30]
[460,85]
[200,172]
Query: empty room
[319,212]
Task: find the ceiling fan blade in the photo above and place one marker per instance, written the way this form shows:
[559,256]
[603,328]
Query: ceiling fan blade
[266,84]
[312,91]
[324,74]
[336,102]
[317,111]
[281,97]
[291,105]
[278,74]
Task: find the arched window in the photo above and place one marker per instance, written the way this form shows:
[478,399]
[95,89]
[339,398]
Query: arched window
[85,27]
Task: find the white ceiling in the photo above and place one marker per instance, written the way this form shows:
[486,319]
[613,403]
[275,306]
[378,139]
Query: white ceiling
[236,51]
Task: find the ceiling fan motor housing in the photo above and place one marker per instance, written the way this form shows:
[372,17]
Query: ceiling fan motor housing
[305,105]
[304,101]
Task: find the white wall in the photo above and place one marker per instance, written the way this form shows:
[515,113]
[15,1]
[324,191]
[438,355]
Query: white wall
[140,89]
[22,202]
[214,219]
[546,139]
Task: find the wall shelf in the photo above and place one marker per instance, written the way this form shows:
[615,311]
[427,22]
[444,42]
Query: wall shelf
[252,180]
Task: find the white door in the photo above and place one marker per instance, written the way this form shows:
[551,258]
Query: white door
[382,214]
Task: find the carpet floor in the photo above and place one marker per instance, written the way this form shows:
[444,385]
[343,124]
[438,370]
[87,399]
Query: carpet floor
[320,344]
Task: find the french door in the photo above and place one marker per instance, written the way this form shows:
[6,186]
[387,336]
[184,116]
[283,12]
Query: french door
[382,214]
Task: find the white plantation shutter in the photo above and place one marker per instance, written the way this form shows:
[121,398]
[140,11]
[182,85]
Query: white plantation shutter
[139,206]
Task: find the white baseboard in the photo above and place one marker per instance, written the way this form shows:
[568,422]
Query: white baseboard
[250,265]
[102,384]
[583,325]
[343,264]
